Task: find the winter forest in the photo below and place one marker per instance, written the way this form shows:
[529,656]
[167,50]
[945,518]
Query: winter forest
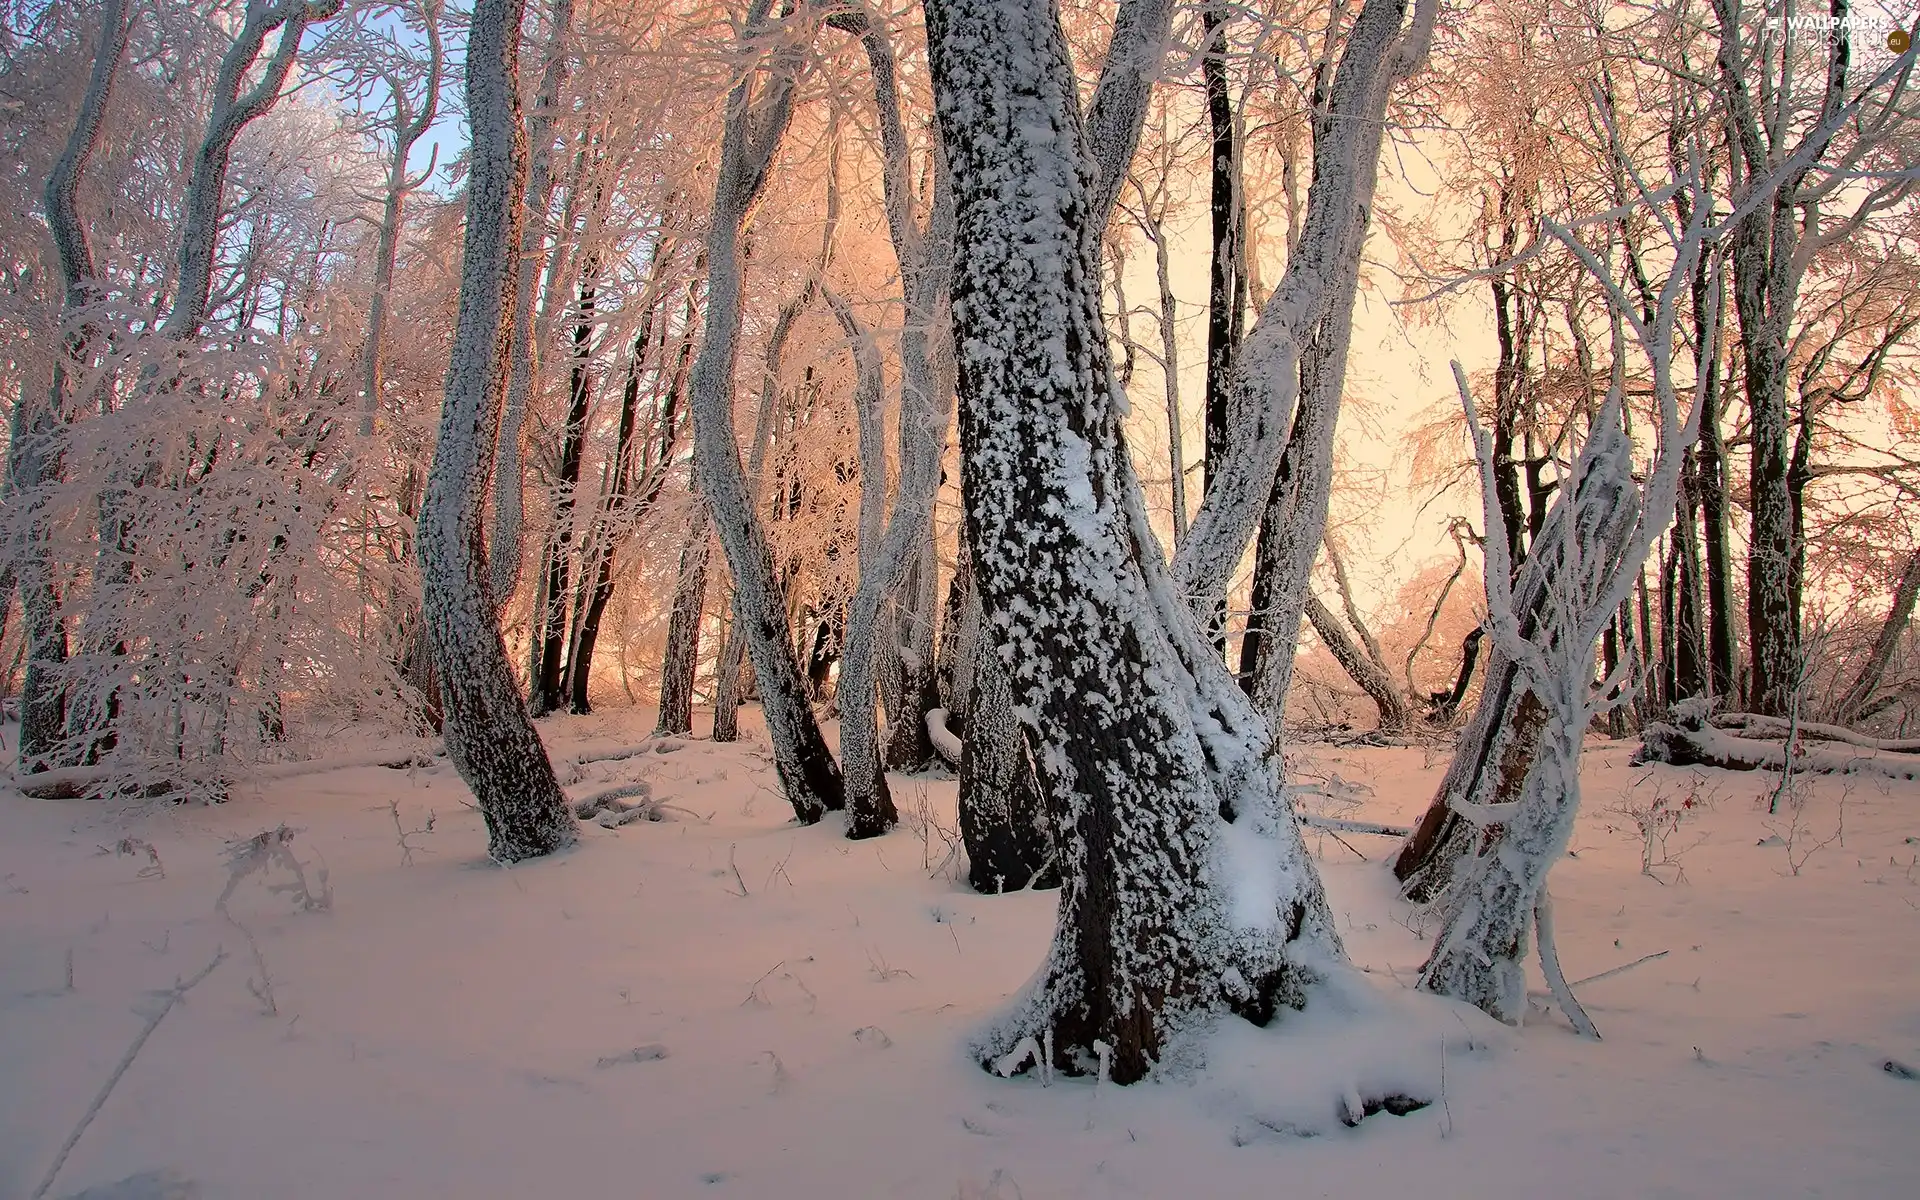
[959,598]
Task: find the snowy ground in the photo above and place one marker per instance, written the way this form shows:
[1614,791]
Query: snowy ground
[452,1028]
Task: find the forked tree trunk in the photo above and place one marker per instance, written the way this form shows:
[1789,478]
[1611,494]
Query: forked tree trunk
[754,128]
[489,736]
[1499,746]
[924,252]
[34,451]
[1155,771]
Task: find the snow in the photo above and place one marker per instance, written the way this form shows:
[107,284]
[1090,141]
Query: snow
[620,1020]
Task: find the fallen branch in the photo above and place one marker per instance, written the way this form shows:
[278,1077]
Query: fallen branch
[1754,725]
[173,994]
[1664,743]
[1623,967]
[1338,825]
[76,783]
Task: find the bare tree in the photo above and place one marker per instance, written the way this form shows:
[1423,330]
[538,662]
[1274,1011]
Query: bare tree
[757,118]
[1151,762]
[489,736]
[34,451]
[504,549]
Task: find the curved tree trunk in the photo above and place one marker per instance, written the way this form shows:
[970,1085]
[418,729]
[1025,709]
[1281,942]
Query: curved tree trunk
[753,132]
[1152,765]
[34,452]
[489,736]
[504,548]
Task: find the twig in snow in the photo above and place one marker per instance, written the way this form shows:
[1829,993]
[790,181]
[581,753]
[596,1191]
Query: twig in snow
[406,848]
[753,993]
[134,847]
[639,1054]
[736,870]
[1341,825]
[1645,958]
[179,989]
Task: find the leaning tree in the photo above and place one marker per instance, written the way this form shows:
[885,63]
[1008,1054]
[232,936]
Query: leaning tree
[1186,890]
[489,736]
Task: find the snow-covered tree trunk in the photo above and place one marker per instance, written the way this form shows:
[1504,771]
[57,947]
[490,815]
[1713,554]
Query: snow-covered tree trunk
[1186,890]
[489,736]
[870,809]
[1002,820]
[754,127]
[504,539]
[1593,557]
[1382,48]
[34,449]
[683,633]
[924,254]
[910,748]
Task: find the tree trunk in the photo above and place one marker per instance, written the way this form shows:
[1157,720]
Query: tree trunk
[683,634]
[910,748]
[1002,820]
[1867,681]
[509,471]
[753,131]
[1371,677]
[34,451]
[870,808]
[490,738]
[1497,749]
[1150,761]
[1226,274]
[549,682]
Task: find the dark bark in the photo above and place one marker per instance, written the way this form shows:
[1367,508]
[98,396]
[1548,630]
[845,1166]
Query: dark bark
[626,498]
[1002,819]
[1447,703]
[1145,752]
[1371,677]
[1226,276]
[683,635]
[550,681]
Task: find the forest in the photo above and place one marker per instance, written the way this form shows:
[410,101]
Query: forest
[1117,544]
